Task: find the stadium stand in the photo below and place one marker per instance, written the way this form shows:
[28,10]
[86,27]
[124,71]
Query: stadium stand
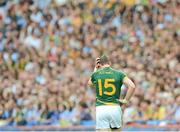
[47,53]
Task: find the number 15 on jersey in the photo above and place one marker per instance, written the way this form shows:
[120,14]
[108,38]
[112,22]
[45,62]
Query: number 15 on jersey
[108,84]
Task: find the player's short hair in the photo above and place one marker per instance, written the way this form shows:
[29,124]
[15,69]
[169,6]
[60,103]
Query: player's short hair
[104,59]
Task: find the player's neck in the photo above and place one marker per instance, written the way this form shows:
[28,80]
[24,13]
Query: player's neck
[106,65]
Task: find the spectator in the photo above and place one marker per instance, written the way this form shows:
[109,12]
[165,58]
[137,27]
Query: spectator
[47,52]
[177,112]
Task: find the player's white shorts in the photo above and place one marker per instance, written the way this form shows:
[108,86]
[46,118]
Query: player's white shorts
[108,116]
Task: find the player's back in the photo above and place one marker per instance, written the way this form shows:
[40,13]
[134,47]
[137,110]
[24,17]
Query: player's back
[108,82]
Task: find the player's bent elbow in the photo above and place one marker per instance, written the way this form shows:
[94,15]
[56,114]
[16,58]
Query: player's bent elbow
[133,86]
[90,83]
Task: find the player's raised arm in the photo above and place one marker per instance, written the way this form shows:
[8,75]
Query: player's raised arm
[97,66]
[130,91]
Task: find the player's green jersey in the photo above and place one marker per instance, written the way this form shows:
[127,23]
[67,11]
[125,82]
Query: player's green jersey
[108,84]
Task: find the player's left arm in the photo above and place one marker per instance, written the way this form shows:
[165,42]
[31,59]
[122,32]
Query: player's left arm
[131,89]
[97,66]
[90,83]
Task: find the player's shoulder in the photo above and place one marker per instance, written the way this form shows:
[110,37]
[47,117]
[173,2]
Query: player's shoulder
[118,71]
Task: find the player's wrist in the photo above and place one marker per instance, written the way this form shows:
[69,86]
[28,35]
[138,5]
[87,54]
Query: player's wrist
[123,101]
[126,101]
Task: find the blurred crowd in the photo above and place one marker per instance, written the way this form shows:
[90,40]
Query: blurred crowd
[48,49]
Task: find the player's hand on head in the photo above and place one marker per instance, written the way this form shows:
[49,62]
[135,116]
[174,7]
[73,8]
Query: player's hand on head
[97,64]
